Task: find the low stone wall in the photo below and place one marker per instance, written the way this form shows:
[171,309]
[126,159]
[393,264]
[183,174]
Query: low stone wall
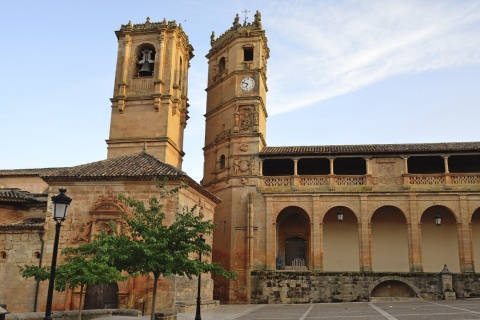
[73,315]
[309,287]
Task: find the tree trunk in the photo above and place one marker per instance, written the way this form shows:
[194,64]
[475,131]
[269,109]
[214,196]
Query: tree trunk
[154,296]
[80,304]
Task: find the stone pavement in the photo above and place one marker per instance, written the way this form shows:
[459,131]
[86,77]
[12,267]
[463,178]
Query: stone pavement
[418,310]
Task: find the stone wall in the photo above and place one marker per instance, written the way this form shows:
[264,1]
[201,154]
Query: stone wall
[18,248]
[309,287]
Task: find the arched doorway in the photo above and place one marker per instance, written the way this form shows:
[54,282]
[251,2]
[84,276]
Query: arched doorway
[439,243]
[101,297]
[389,240]
[476,238]
[293,234]
[340,241]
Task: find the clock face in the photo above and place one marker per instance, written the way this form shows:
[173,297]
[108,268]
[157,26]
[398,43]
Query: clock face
[247,84]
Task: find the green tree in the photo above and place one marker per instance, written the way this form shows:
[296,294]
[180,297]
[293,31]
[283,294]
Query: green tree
[149,245]
[77,270]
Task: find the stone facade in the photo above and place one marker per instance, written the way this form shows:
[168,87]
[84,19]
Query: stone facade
[281,206]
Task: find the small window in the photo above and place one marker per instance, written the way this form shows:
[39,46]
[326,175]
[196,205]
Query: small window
[221,65]
[222,162]
[247,54]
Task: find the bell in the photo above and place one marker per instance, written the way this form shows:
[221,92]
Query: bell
[145,70]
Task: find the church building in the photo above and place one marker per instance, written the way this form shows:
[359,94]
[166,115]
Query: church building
[298,224]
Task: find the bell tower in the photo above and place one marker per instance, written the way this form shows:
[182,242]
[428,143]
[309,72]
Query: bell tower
[236,95]
[150,104]
[234,135]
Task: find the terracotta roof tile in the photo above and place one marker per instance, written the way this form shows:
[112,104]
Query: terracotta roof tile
[449,147]
[15,195]
[26,172]
[136,167]
[28,224]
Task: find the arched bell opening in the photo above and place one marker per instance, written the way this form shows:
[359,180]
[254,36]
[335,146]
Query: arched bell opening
[145,63]
[293,239]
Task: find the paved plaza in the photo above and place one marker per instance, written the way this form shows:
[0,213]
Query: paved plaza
[419,310]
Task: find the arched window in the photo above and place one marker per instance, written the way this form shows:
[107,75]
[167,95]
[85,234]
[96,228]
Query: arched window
[145,60]
[222,162]
[221,64]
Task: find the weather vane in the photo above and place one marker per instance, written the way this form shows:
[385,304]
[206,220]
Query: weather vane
[245,12]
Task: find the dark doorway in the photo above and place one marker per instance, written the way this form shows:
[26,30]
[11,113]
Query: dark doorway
[102,297]
[295,248]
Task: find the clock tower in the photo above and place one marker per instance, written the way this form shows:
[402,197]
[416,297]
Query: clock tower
[235,133]
[149,104]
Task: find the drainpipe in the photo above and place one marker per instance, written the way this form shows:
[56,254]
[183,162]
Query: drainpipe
[41,233]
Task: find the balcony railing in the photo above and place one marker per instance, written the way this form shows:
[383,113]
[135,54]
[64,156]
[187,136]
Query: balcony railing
[447,181]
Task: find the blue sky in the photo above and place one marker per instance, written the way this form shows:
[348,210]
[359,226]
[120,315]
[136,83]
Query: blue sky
[340,72]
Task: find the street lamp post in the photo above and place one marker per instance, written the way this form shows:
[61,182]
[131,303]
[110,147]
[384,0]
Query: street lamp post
[60,206]
[197,313]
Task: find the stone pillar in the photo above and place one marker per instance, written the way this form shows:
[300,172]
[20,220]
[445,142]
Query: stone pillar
[317,237]
[464,236]
[270,238]
[332,172]
[260,167]
[365,237]
[295,165]
[445,161]
[414,237]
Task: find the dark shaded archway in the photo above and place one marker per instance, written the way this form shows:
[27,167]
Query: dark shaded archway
[293,236]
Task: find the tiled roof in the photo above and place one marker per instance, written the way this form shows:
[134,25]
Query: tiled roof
[421,148]
[26,172]
[15,195]
[29,224]
[136,167]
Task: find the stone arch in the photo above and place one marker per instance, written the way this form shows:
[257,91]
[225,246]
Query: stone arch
[293,237]
[399,287]
[389,238]
[475,234]
[341,249]
[379,206]
[439,243]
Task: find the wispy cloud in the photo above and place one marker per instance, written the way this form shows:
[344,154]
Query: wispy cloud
[327,48]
